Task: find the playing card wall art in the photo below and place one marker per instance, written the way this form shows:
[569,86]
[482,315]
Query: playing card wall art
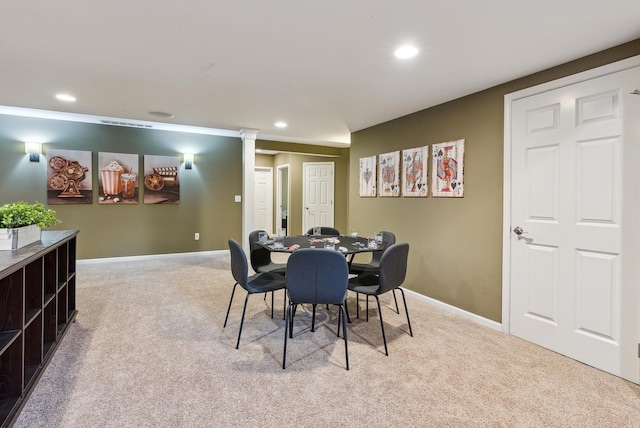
[368,177]
[414,169]
[447,169]
[69,177]
[389,174]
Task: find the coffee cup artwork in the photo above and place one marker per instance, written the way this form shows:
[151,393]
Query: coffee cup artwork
[118,178]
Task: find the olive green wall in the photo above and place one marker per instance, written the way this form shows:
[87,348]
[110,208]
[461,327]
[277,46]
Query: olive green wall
[455,243]
[206,192]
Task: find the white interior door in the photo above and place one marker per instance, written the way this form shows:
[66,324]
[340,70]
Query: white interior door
[282,198]
[574,280]
[264,199]
[317,197]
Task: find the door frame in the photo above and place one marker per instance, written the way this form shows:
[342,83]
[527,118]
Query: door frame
[506,198]
[270,171]
[279,176]
[304,192]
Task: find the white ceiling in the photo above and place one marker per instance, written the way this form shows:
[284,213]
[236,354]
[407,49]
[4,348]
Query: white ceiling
[326,67]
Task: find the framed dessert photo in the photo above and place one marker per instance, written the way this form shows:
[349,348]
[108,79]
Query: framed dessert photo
[389,174]
[118,178]
[448,169]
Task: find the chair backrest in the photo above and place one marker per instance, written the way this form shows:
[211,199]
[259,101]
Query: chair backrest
[317,276]
[390,239]
[393,267]
[239,265]
[258,255]
[325,230]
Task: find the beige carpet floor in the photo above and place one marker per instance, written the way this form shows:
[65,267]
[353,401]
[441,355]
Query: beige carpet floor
[148,350]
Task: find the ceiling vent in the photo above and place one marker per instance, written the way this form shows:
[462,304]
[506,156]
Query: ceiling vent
[127,124]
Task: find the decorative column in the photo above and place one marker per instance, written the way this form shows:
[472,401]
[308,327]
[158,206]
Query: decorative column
[248,136]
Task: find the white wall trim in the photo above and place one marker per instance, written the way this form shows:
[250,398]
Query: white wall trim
[151,256]
[455,310]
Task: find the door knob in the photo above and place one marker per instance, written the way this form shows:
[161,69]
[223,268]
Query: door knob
[518,230]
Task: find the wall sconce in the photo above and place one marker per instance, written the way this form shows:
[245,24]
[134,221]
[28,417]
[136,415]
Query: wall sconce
[188,160]
[33,150]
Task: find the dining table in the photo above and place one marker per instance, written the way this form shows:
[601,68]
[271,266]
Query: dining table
[347,245]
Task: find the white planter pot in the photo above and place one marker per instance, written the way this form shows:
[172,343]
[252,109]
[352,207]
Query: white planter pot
[13,239]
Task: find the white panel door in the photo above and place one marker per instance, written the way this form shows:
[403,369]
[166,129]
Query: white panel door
[574,214]
[317,195]
[264,199]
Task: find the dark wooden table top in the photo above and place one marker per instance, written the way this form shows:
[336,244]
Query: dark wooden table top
[343,244]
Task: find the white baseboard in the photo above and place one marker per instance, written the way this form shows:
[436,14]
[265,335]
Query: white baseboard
[465,314]
[150,256]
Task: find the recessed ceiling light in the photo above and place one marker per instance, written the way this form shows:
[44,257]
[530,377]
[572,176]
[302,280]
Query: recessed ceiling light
[66,97]
[281,124]
[406,51]
[161,114]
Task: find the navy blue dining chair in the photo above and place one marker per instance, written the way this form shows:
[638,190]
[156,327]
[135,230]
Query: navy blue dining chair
[262,282]
[326,231]
[392,273]
[316,276]
[260,257]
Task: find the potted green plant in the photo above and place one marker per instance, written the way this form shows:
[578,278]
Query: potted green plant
[21,223]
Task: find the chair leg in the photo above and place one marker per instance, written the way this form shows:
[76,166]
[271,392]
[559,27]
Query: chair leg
[358,305]
[244,309]
[284,307]
[313,318]
[344,332]
[291,315]
[396,301]
[404,300]
[229,308]
[287,315]
[384,337]
[346,309]
[367,307]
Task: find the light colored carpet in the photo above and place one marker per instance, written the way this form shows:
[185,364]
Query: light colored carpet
[148,350]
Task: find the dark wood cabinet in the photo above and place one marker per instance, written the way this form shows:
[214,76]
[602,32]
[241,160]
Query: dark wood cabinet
[37,305]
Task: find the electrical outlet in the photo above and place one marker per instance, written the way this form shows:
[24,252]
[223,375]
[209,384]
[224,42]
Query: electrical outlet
[238,198]
[197,237]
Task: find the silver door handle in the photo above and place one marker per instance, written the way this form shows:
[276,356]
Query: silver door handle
[518,230]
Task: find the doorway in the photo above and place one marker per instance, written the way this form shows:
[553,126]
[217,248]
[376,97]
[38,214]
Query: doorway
[282,198]
[264,199]
[317,195]
[570,271]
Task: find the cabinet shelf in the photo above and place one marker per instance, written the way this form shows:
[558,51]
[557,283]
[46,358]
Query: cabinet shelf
[7,337]
[30,315]
[37,306]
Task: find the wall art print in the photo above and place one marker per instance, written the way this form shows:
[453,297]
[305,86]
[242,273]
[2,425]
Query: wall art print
[414,168]
[447,175]
[161,180]
[69,177]
[389,174]
[368,185]
[118,178]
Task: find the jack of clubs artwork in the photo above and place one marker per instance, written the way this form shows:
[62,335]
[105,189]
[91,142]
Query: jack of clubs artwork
[414,166]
